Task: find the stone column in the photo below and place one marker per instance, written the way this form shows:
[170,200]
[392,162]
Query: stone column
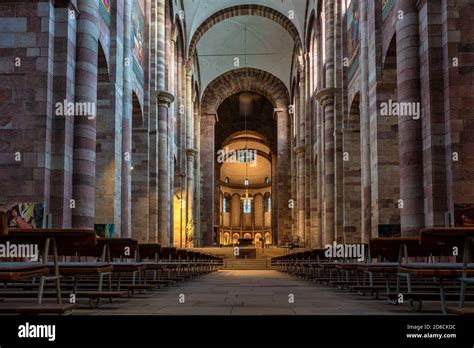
[283,227]
[197,191]
[208,122]
[326,99]
[157,83]
[191,157]
[338,124]
[164,100]
[85,126]
[274,201]
[434,116]
[62,127]
[300,160]
[126,215]
[366,195]
[300,193]
[458,101]
[409,129]
[190,152]
[160,44]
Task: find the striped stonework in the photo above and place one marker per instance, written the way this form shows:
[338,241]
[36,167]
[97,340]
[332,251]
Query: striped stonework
[244,80]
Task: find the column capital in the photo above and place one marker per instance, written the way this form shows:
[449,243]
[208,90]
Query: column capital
[191,153]
[299,149]
[210,116]
[165,98]
[189,70]
[326,95]
[280,112]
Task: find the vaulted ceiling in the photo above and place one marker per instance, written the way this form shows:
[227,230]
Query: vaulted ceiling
[249,41]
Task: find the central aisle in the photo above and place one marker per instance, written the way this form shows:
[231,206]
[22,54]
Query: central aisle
[249,292]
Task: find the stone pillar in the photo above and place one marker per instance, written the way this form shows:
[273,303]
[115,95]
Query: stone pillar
[126,212]
[309,88]
[197,192]
[160,44]
[283,226]
[208,122]
[300,193]
[366,194]
[320,173]
[434,116]
[191,157]
[274,201]
[326,99]
[85,126]
[190,152]
[409,129]
[458,101]
[338,124]
[153,124]
[164,214]
[62,127]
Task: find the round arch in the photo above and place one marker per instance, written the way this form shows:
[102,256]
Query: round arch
[244,80]
[243,10]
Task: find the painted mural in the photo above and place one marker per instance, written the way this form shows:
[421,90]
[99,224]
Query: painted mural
[137,41]
[353,39]
[104,9]
[387,6]
[105,230]
[26,215]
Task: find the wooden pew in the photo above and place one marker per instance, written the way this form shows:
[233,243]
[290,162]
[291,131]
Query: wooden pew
[150,255]
[389,253]
[123,254]
[67,243]
[169,259]
[442,241]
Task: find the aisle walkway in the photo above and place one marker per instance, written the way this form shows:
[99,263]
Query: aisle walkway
[236,292]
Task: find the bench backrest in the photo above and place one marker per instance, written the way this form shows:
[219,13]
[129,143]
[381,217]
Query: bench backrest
[120,248]
[388,248]
[69,242]
[182,254]
[442,240]
[149,251]
[168,253]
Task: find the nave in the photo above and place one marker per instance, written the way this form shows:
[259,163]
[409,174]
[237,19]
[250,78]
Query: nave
[253,292]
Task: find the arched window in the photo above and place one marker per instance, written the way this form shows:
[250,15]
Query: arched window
[225,205]
[268,203]
[247,206]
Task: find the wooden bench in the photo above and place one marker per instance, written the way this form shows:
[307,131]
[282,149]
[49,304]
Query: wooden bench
[443,241]
[123,254]
[65,243]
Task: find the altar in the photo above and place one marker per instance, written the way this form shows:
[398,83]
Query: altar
[247,249]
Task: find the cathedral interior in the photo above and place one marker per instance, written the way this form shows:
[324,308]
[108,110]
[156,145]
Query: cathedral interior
[194,146]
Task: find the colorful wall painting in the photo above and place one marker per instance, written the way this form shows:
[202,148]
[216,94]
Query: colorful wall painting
[353,38]
[104,9]
[26,215]
[137,42]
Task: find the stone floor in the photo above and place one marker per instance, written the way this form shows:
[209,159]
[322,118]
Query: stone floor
[252,292]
